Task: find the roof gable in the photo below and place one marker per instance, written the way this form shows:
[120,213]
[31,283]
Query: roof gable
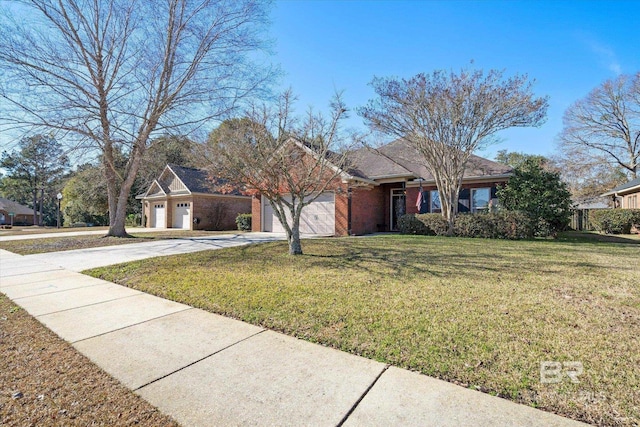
[155,189]
[177,180]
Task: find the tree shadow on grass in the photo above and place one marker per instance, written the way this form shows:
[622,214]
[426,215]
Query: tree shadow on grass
[596,238]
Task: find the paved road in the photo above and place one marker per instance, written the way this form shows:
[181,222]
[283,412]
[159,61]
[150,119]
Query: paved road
[203,369]
[83,259]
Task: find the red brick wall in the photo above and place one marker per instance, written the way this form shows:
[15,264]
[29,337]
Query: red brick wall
[342,211]
[256,212]
[368,210]
[204,208]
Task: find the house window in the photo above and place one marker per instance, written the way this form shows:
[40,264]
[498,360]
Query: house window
[632,202]
[480,198]
[436,207]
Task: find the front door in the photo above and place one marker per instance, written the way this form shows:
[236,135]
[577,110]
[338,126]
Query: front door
[398,206]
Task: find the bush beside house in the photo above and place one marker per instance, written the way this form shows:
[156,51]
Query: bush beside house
[615,221]
[244,222]
[491,225]
[540,194]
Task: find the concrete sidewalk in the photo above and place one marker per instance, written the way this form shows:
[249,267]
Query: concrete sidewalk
[203,369]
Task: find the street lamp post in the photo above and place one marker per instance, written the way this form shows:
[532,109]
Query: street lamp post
[59,197]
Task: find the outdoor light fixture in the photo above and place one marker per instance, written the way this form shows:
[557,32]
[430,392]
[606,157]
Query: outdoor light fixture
[59,197]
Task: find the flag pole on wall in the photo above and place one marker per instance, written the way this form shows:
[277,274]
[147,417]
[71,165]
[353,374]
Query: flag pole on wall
[419,200]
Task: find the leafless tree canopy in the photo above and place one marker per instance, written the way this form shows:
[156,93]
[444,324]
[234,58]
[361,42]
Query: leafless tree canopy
[288,160]
[111,74]
[447,116]
[607,123]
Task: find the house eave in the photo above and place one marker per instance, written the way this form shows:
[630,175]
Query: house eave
[465,180]
[622,192]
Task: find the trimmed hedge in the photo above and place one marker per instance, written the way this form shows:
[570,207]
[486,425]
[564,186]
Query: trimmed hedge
[511,225]
[614,221]
[423,224]
[243,221]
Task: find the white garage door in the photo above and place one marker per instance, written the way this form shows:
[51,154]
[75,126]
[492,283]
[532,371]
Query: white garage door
[319,217]
[158,215]
[181,215]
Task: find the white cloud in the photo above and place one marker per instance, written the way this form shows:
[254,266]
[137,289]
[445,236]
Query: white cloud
[605,54]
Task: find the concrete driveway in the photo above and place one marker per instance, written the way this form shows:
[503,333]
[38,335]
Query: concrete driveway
[83,259]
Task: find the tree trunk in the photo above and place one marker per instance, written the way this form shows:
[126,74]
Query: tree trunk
[117,226]
[295,247]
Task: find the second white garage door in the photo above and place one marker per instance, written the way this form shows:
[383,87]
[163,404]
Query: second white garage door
[319,217]
[181,215]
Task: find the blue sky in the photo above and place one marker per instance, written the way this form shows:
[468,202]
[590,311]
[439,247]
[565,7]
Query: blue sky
[568,47]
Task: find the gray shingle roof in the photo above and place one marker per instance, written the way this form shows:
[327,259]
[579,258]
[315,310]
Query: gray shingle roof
[399,158]
[620,188]
[11,206]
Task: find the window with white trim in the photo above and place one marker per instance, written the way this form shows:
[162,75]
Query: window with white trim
[480,198]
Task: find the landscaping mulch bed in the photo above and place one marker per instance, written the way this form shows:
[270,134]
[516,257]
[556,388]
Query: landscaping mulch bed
[44,381]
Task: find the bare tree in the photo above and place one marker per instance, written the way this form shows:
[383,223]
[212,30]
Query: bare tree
[588,174]
[447,116]
[607,123]
[111,74]
[289,161]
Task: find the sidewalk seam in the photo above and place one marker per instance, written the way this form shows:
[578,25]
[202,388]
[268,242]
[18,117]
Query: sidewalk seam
[125,327]
[80,306]
[199,360]
[57,292]
[355,405]
[37,281]
[57,268]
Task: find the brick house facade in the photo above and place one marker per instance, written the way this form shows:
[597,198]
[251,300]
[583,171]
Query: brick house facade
[187,198]
[379,186]
[12,213]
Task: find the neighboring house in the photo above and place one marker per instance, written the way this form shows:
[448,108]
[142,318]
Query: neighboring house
[378,187]
[189,199]
[626,196]
[12,213]
[582,211]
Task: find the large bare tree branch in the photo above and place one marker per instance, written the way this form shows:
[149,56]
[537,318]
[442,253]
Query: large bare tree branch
[113,74]
[607,122]
[288,160]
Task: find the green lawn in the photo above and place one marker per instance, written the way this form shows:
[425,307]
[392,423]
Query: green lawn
[480,313]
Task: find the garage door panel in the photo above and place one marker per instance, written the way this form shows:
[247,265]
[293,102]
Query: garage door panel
[158,215]
[181,215]
[316,218]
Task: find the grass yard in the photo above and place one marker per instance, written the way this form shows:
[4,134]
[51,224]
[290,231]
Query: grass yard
[56,244]
[480,313]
